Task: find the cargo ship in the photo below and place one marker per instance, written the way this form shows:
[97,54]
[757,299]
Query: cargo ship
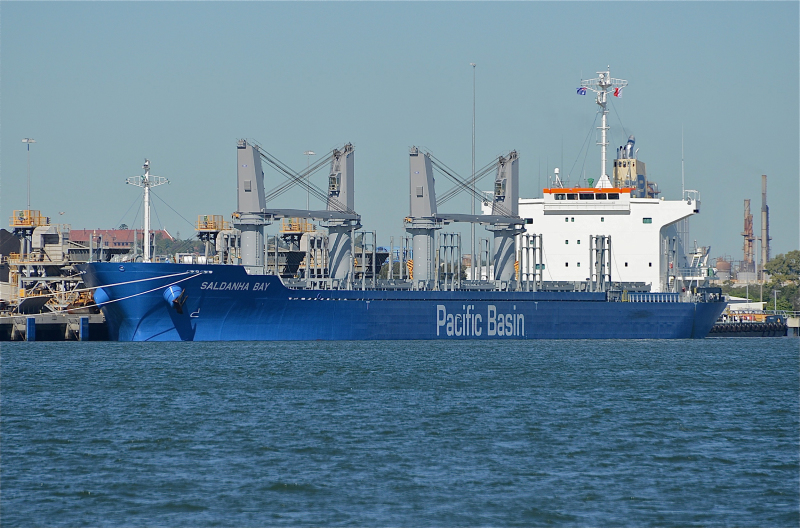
[348,288]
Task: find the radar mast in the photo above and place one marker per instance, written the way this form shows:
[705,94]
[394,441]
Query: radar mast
[146,181]
[602,85]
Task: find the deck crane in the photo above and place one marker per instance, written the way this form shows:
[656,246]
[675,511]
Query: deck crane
[339,216]
[465,185]
[424,217]
[455,190]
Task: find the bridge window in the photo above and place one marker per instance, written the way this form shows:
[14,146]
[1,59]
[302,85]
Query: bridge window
[613,196]
[573,219]
[579,264]
[572,196]
[600,196]
[560,196]
[566,219]
[566,264]
[566,241]
[579,241]
[586,196]
[647,220]
[602,218]
[626,264]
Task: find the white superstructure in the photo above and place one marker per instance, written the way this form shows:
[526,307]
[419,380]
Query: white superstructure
[646,249]
[645,246]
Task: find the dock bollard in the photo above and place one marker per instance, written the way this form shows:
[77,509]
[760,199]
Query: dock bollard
[83,328]
[30,329]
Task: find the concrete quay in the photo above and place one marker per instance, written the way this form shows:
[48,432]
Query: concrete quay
[53,327]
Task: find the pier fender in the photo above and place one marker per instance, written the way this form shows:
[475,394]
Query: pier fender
[101,297]
[175,297]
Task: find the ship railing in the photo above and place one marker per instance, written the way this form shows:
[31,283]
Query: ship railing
[30,258]
[695,273]
[28,218]
[296,225]
[785,313]
[213,223]
[656,297]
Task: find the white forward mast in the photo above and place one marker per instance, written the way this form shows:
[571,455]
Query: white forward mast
[602,85]
[146,181]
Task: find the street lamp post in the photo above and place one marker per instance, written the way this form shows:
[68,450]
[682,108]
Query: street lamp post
[775,296]
[29,141]
[308,155]
[472,225]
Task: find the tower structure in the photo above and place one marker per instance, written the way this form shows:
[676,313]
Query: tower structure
[748,264]
[602,85]
[764,225]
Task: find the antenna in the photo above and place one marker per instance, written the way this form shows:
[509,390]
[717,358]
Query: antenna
[683,174]
[602,85]
[146,181]
[685,221]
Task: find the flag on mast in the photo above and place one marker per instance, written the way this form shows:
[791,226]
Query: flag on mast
[617,92]
[582,90]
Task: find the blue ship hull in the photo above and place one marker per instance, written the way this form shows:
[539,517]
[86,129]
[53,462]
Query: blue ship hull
[224,303]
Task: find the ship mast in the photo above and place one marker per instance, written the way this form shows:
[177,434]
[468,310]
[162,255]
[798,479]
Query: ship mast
[602,85]
[146,181]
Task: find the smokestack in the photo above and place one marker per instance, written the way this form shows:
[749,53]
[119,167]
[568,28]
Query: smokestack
[764,224]
[749,252]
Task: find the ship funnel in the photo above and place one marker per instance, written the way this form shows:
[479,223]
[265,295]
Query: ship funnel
[628,153]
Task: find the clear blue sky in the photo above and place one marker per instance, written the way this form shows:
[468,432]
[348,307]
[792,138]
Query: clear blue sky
[101,86]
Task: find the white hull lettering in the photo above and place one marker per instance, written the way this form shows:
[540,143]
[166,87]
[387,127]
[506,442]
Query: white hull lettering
[219,286]
[467,323]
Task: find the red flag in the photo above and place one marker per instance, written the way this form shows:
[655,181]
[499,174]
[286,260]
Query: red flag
[617,93]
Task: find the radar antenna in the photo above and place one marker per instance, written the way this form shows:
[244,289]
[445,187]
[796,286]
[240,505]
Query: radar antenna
[602,85]
[146,181]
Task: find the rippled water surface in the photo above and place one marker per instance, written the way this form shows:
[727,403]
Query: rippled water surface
[594,433]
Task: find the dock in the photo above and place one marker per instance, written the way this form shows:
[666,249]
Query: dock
[53,327]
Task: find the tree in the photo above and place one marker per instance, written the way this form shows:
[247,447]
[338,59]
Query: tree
[785,267]
[785,277]
[164,246]
[384,273]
